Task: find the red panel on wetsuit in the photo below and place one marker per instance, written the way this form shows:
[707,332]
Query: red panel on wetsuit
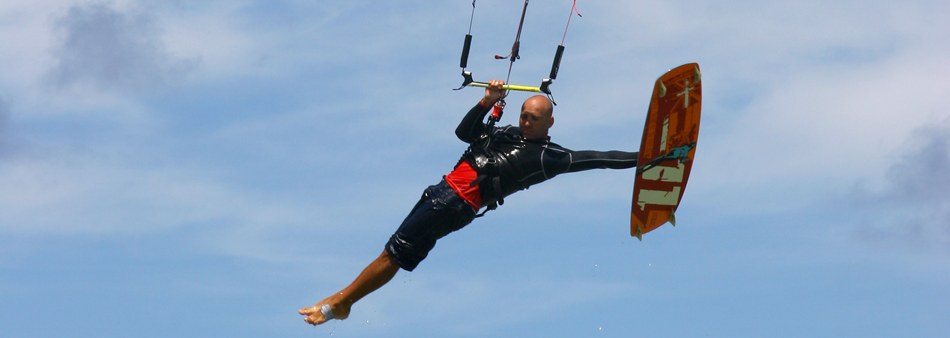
[460,179]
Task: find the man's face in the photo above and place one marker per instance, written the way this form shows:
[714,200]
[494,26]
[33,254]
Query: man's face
[536,118]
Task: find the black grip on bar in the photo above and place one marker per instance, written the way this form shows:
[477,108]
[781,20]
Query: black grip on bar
[557,61]
[468,44]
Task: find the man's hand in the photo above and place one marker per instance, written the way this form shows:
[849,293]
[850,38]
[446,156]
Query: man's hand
[493,92]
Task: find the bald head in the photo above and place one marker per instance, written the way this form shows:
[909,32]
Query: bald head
[541,102]
[536,117]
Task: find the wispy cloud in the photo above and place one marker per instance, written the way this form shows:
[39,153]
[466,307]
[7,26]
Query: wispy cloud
[458,291]
[102,47]
[4,116]
[912,208]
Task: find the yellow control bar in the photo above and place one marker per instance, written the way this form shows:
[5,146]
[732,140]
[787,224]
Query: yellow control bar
[509,87]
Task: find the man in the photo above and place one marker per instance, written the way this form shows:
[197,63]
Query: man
[498,162]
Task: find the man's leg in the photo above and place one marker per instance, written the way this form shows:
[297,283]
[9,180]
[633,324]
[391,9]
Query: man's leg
[374,276]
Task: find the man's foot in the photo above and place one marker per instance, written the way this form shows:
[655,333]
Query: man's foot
[324,311]
[338,305]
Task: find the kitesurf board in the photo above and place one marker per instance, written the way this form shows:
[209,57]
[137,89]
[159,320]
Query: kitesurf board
[667,149]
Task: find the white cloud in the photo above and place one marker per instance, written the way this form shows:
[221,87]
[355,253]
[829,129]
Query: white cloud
[62,190]
[442,296]
[911,209]
[26,32]
[102,47]
[4,116]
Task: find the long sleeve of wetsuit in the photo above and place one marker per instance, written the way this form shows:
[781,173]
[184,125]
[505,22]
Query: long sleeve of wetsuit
[590,159]
[472,126]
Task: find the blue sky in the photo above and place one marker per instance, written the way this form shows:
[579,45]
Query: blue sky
[180,168]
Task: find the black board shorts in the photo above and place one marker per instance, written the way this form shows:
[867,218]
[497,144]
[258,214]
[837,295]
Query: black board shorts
[439,212]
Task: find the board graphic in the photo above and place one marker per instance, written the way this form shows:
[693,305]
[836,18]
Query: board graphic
[667,149]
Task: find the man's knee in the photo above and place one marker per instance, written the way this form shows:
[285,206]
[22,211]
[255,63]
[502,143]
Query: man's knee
[408,252]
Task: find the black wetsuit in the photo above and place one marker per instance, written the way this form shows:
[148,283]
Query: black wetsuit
[505,162]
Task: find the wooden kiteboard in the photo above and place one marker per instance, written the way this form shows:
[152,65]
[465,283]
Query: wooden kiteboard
[667,149]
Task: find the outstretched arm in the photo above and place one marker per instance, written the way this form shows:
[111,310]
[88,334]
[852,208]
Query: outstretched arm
[589,159]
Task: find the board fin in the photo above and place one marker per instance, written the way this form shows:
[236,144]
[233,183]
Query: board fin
[672,218]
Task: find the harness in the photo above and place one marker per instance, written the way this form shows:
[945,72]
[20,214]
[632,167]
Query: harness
[485,161]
